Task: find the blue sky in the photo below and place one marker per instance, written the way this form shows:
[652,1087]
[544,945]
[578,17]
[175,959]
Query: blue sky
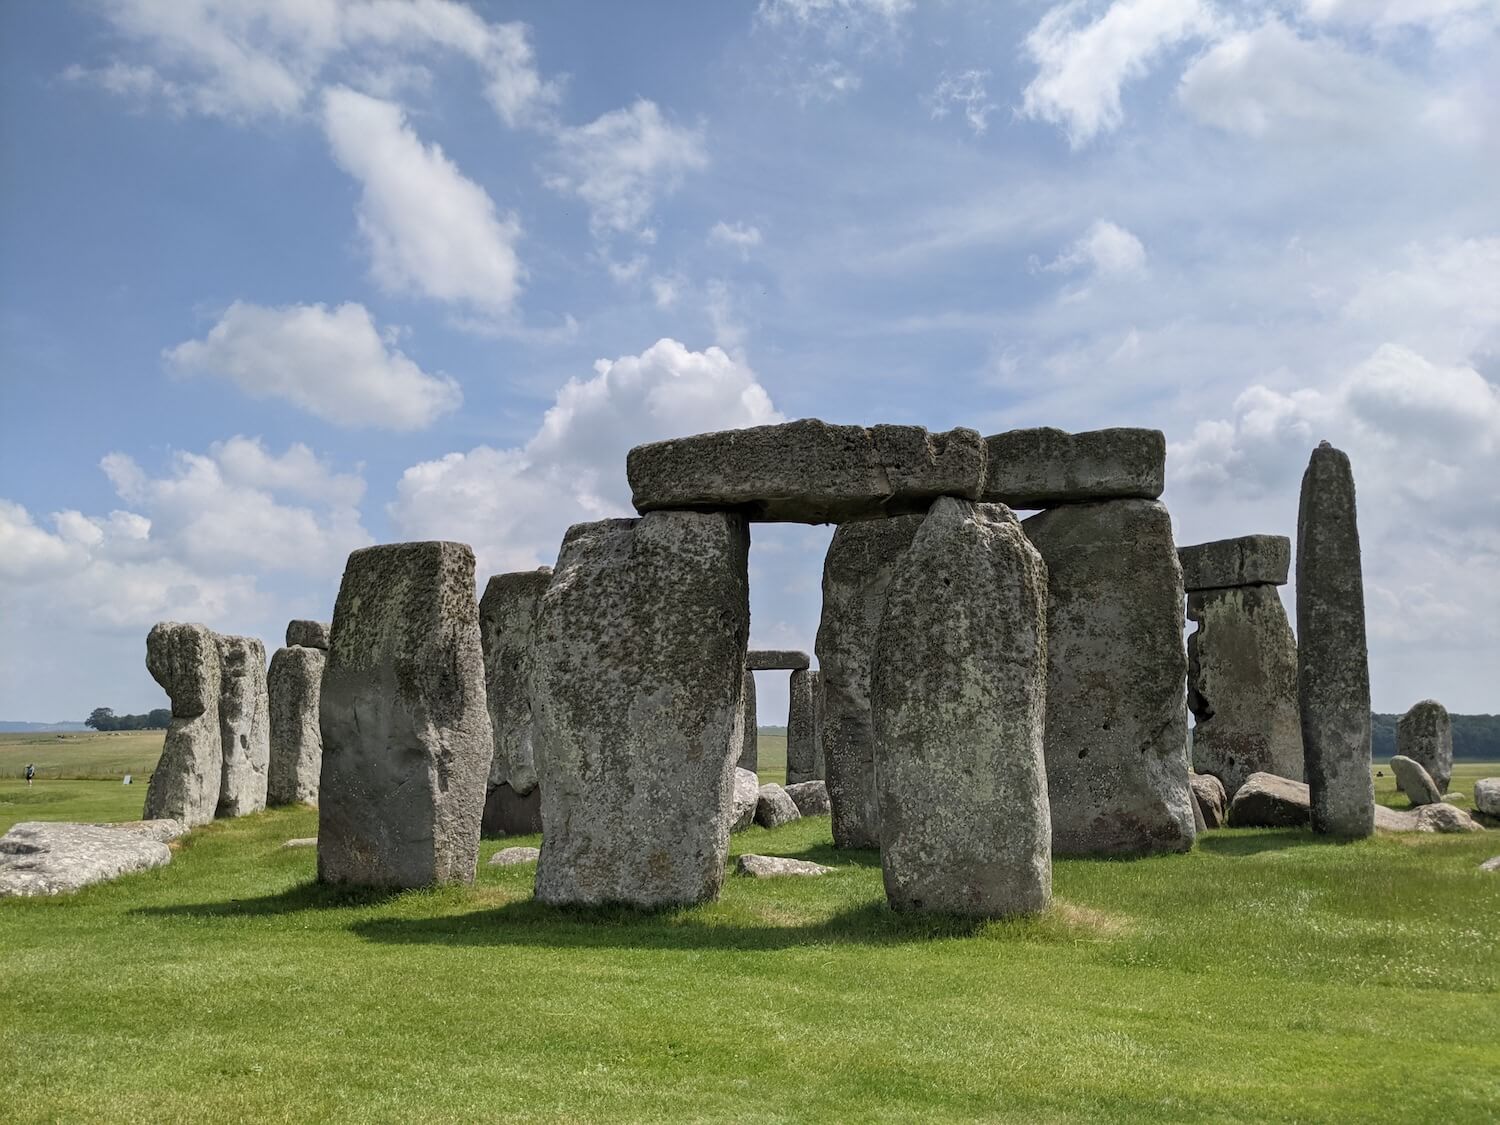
[285,278]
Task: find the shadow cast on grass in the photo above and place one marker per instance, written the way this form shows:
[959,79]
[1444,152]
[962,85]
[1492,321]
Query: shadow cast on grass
[304,896]
[1263,840]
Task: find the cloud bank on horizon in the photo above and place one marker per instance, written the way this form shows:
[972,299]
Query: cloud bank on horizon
[285,280]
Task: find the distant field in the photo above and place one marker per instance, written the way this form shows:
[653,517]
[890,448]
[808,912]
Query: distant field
[84,755]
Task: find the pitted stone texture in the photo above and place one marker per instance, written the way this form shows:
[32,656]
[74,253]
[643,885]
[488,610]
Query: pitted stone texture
[1445,818]
[771,866]
[1042,467]
[294,683]
[1268,801]
[507,623]
[810,797]
[820,765]
[53,858]
[244,725]
[1415,781]
[775,807]
[746,798]
[508,813]
[1212,802]
[1333,673]
[406,737]
[748,754]
[308,634]
[184,660]
[856,572]
[801,764]
[1487,795]
[1242,686]
[1250,560]
[515,857]
[162,831]
[776,660]
[807,471]
[1425,735]
[1117,774]
[959,696]
[639,665]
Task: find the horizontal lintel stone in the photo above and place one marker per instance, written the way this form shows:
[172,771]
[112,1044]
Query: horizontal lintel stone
[1250,560]
[773,660]
[1042,467]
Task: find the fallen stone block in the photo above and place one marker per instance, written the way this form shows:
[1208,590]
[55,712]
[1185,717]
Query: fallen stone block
[1043,467]
[810,797]
[1414,781]
[772,866]
[1425,735]
[1208,792]
[774,807]
[746,798]
[184,786]
[1445,818]
[52,857]
[515,857]
[1249,560]
[1268,801]
[162,831]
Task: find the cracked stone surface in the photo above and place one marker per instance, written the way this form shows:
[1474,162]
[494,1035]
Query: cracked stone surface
[53,858]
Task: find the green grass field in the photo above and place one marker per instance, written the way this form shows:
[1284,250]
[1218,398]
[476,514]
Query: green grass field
[84,754]
[1266,976]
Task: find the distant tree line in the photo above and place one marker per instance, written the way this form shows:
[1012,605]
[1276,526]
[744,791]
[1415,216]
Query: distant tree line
[1476,737]
[102,718]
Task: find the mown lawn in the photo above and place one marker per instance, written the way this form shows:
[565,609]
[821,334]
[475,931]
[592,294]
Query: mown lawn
[1266,976]
[81,754]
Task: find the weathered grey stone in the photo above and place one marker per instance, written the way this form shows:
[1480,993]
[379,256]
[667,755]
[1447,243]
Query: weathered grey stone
[1041,467]
[507,621]
[1200,825]
[308,634]
[294,684]
[771,866]
[1445,818]
[184,660]
[1268,801]
[959,695]
[1242,686]
[1333,673]
[244,725]
[515,857]
[639,665]
[807,471]
[775,807]
[1389,820]
[746,798]
[301,842]
[1250,560]
[406,737]
[1492,864]
[820,766]
[810,797]
[1212,801]
[1117,774]
[162,831]
[1414,781]
[856,572]
[53,858]
[749,748]
[776,660]
[1487,795]
[1425,735]
[801,764]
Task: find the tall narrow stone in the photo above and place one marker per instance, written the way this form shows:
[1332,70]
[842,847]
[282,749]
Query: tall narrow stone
[639,666]
[1333,674]
[856,572]
[801,750]
[749,747]
[406,737]
[959,697]
[507,624]
[184,660]
[244,725]
[820,767]
[294,684]
[1116,730]
[1425,735]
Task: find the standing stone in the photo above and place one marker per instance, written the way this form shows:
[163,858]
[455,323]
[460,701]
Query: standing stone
[406,737]
[1487,796]
[856,573]
[507,622]
[184,660]
[1242,685]
[1414,780]
[244,725]
[639,665]
[959,694]
[294,684]
[820,766]
[308,634]
[1333,675]
[801,764]
[1425,734]
[749,748]
[1117,774]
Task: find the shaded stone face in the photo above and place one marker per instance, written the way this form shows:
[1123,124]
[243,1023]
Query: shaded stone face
[184,660]
[639,665]
[1242,686]
[820,765]
[770,660]
[1268,801]
[1250,560]
[774,807]
[294,684]
[1212,801]
[800,748]
[507,623]
[748,754]
[1425,735]
[1116,730]
[856,572]
[244,725]
[308,634]
[1041,467]
[958,694]
[1333,675]
[810,797]
[406,736]
[807,471]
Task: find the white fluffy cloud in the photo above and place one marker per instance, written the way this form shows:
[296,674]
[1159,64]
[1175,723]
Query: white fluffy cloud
[332,363]
[740,236]
[1453,22]
[966,92]
[1106,250]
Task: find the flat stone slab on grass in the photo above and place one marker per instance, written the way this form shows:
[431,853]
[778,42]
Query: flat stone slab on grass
[162,831]
[775,807]
[810,797]
[1038,468]
[1250,560]
[53,858]
[807,471]
[1487,795]
[515,857]
[776,660]
[770,866]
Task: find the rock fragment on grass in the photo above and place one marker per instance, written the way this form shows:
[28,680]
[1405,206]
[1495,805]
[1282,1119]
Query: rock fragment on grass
[1208,792]
[1268,801]
[1492,864]
[1487,795]
[1415,781]
[52,858]
[775,807]
[302,842]
[810,797]
[515,857]
[770,866]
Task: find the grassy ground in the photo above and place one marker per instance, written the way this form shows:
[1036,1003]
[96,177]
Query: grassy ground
[1265,976]
[84,754]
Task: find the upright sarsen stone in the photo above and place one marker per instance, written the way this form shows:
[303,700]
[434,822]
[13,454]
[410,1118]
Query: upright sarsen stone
[294,684]
[244,725]
[749,747]
[184,660]
[1117,774]
[801,749]
[406,737]
[1333,673]
[856,572]
[639,665]
[507,623]
[820,767]
[958,693]
[1425,735]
